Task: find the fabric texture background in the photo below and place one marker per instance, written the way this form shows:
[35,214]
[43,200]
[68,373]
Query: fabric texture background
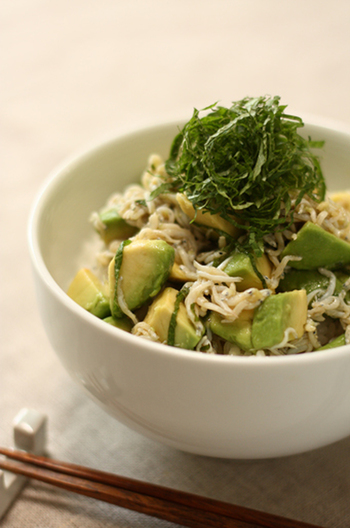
[74,72]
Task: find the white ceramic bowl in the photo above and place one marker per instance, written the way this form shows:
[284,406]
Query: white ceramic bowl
[235,407]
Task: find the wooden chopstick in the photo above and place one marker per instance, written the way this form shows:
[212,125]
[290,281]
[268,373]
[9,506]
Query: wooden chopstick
[176,506]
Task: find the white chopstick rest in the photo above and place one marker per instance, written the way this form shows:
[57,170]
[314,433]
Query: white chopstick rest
[29,431]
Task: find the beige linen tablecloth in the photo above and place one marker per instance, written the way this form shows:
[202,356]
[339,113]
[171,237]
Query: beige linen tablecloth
[75,71]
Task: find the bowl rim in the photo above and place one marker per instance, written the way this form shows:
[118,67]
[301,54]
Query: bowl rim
[61,171]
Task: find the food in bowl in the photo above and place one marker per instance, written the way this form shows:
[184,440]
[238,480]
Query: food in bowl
[230,246]
[209,404]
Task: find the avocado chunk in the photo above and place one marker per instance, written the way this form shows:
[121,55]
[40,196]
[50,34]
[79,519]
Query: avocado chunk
[342,276]
[124,323]
[276,315]
[308,280]
[342,198]
[159,317]
[317,249]
[311,280]
[142,267]
[177,274]
[240,265]
[215,221]
[114,226]
[335,343]
[238,332]
[88,291]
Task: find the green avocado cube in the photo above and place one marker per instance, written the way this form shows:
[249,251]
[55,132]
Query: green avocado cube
[87,290]
[240,265]
[124,323]
[308,280]
[335,343]
[142,267]
[238,332]
[277,315]
[159,316]
[114,226]
[311,280]
[342,276]
[317,248]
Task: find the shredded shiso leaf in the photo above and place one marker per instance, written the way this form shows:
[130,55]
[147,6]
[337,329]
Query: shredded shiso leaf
[172,325]
[244,162]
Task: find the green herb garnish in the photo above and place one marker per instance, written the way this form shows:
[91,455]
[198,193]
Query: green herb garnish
[244,162]
[172,325]
[141,202]
[116,310]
